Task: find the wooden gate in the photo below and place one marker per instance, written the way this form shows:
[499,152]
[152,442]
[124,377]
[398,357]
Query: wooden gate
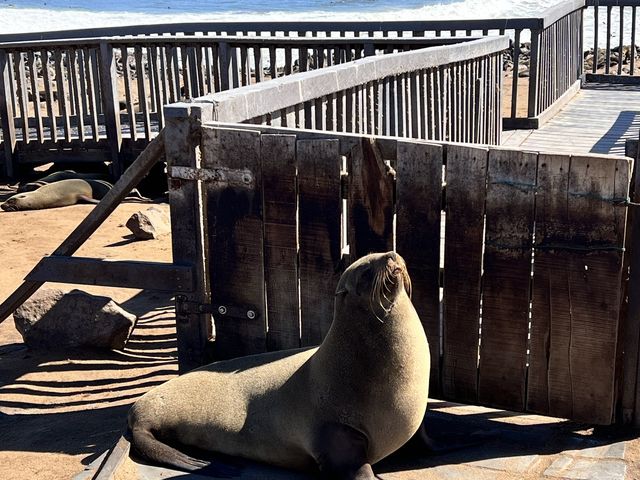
[516,257]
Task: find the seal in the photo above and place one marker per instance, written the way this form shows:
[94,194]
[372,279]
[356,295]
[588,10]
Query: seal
[339,407]
[56,177]
[59,194]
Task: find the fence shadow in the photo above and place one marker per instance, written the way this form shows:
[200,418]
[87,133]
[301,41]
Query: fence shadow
[75,402]
[627,125]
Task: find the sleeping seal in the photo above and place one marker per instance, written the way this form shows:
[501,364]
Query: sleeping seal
[59,194]
[337,408]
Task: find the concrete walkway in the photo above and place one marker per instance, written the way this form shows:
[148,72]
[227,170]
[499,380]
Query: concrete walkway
[504,446]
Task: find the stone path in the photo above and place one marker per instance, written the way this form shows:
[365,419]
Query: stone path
[479,444]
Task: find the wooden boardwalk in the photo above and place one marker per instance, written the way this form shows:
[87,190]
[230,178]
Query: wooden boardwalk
[597,120]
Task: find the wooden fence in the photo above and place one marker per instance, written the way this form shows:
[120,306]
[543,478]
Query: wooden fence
[532,252]
[620,40]
[450,93]
[85,93]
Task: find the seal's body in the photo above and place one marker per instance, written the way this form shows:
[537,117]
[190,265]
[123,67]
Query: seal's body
[59,194]
[56,177]
[339,407]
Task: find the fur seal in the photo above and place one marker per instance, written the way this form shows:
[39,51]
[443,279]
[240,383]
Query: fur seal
[59,194]
[339,407]
[56,177]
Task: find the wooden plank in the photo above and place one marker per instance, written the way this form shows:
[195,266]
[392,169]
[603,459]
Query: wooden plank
[506,281]
[631,312]
[63,100]
[143,92]
[235,236]
[138,169]
[72,60]
[121,273]
[418,217]
[131,113]
[7,113]
[281,241]
[115,458]
[370,200]
[549,366]
[22,92]
[48,95]
[110,104]
[35,92]
[582,364]
[319,234]
[465,198]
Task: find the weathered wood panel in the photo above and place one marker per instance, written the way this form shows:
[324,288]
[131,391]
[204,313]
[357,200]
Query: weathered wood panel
[506,281]
[319,234]
[464,234]
[235,235]
[418,211]
[370,200]
[281,241]
[577,284]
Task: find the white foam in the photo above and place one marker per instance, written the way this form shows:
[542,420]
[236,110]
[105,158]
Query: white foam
[19,20]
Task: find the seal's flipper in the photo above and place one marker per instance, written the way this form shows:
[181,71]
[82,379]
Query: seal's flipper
[150,448]
[342,453]
[86,199]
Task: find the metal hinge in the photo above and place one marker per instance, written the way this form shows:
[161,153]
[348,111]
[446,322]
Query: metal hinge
[186,307]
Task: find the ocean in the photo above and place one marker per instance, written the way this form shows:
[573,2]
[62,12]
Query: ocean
[43,15]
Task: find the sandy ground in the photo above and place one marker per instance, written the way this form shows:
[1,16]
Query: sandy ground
[58,412]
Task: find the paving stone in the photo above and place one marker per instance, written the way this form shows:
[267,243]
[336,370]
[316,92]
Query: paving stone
[445,472]
[586,469]
[519,464]
[615,450]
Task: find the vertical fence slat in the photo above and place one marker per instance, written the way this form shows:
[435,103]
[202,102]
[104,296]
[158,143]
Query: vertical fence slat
[63,101]
[370,200]
[6,113]
[465,198]
[507,275]
[92,93]
[280,240]
[235,235]
[133,130]
[35,91]
[143,91]
[72,59]
[418,211]
[319,234]
[110,104]
[48,95]
[22,93]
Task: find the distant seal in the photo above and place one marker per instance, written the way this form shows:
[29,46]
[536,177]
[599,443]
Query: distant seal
[338,408]
[58,176]
[59,194]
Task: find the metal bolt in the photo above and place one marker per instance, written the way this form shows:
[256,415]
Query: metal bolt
[222,310]
[251,314]
[246,178]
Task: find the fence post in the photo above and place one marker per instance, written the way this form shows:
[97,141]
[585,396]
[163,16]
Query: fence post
[225,65]
[111,106]
[6,114]
[189,243]
[534,73]
[630,319]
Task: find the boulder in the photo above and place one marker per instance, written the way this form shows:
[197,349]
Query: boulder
[152,223]
[54,320]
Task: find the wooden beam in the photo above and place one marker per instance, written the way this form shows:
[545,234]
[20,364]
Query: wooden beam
[125,273]
[116,456]
[120,190]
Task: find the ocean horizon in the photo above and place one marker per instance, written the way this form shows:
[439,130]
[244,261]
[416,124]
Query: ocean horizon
[17,16]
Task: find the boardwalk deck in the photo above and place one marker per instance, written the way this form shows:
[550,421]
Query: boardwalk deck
[597,120]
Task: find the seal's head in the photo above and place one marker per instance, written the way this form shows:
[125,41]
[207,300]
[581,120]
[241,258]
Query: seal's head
[375,281]
[21,201]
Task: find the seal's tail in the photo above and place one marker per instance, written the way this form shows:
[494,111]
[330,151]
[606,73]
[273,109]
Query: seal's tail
[149,447]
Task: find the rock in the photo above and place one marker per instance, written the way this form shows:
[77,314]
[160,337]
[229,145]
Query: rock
[53,320]
[152,223]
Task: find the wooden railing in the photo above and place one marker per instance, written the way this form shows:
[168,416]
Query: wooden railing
[449,93]
[611,59]
[83,93]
